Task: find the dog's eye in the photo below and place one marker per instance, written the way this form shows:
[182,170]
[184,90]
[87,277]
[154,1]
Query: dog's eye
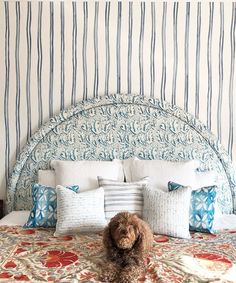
[130,228]
[136,230]
[115,226]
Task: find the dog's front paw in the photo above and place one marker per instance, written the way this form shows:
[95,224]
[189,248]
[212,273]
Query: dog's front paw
[109,272]
[130,274]
[107,277]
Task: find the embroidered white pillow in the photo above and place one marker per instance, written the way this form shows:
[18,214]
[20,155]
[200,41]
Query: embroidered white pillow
[161,171]
[168,212]
[122,196]
[79,212]
[85,172]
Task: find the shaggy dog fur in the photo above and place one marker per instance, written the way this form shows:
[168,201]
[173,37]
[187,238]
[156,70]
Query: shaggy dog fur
[126,239]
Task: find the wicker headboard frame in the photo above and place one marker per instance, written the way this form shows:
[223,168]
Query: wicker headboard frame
[120,126]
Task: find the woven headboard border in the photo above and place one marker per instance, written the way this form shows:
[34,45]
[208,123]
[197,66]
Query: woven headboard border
[120,126]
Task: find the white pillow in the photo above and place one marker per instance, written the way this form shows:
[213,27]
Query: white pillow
[122,196]
[47,178]
[84,173]
[205,179]
[168,212]
[79,212]
[161,172]
[127,164]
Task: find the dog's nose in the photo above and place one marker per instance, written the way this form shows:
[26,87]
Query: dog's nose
[124,232]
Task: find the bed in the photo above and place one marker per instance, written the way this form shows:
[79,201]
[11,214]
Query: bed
[109,128]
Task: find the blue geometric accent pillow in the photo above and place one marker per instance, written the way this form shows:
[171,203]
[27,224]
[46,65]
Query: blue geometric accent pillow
[44,210]
[202,207]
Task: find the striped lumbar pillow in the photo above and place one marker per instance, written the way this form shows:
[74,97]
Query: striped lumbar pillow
[122,196]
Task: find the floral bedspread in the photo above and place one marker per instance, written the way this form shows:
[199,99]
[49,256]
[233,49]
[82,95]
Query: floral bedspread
[37,256]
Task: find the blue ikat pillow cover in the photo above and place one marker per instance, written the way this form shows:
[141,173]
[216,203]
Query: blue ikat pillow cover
[44,209]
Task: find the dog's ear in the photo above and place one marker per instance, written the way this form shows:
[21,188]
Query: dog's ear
[136,215]
[107,239]
[108,242]
[141,240]
[145,236]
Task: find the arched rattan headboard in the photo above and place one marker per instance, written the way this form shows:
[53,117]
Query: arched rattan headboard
[120,126]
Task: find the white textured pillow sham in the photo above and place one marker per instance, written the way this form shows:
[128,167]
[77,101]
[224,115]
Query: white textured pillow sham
[122,196]
[85,172]
[79,212]
[168,212]
[161,172]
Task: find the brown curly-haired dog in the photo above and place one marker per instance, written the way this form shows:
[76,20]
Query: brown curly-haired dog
[126,239]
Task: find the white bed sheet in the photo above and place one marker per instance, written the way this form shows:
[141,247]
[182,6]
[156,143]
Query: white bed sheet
[226,221]
[15,218]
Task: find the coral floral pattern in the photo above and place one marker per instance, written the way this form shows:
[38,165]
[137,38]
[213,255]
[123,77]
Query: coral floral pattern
[35,255]
[56,258]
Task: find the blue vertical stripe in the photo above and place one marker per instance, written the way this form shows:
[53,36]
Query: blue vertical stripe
[95,36]
[231,82]
[130,35]
[74,54]
[175,39]
[141,39]
[163,38]
[153,45]
[6,94]
[84,50]
[39,64]
[209,65]
[32,33]
[186,56]
[197,72]
[51,59]
[118,36]
[62,14]
[221,71]
[28,74]
[17,59]
[107,72]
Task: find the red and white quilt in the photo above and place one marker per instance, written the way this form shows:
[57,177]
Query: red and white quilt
[35,255]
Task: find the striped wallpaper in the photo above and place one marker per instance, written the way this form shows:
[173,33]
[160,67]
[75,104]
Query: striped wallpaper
[53,54]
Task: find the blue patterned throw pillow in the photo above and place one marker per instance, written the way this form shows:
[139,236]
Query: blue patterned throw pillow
[202,207]
[44,210]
